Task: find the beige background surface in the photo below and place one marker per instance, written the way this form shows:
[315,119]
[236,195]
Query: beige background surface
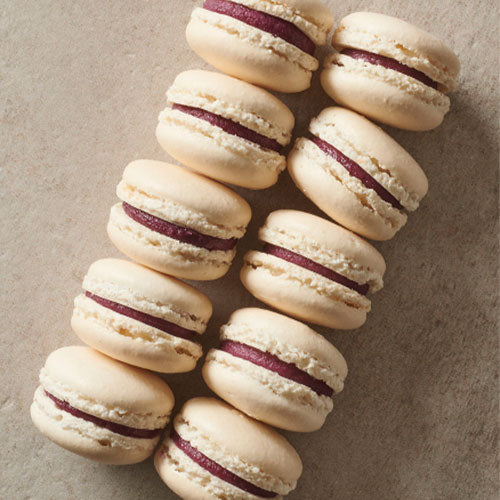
[82,84]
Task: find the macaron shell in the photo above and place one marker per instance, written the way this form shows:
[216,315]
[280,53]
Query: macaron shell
[239,50]
[289,295]
[239,382]
[235,99]
[179,480]
[149,285]
[251,441]
[373,149]
[165,254]
[399,40]
[380,94]
[218,154]
[177,356]
[288,336]
[111,383]
[310,171]
[129,452]
[217,203]
[327,235]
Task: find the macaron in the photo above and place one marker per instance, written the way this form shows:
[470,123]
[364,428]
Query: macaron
[140,316]
[270,44]
[313,270]
[357,174]
[100,408]
[275,369]
[226,129]
[390,71]
[217,452]
[176,221]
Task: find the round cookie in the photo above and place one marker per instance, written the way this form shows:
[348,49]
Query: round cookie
[313,270]
[390,71]
[100,408]
[357,174]
[140,316]
[270,44]
[176,221]
[225,128]
[275,369]
[215,451]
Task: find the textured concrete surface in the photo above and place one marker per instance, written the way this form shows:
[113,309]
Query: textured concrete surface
[82,84]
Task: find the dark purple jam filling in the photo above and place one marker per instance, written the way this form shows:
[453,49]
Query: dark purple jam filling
[161,324]
[266,22]
[217,470]
[273,363]
[309,264]
[389,63]
[124,430]
[356,171]
[230,127]
[183,234]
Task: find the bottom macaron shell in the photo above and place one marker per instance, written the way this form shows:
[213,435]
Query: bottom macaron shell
[237,382]
[183,476]
[309,169]
[381,101]
[161,356]
[281,290]
[165,254]
[102,446]
[238,55]
[221,158]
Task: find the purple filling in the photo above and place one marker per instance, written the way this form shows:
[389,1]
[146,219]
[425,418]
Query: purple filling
[273,363]
[217,470]
[309,264]
[356,171]
[124,430]
[184,234]
[161,324]
[266,22]
[389,63]
[230,127]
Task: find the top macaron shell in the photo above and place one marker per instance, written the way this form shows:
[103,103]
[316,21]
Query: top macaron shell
[105,388]
[217,153]
[151,293]
[384,94]
[344,197]
[263,394]
[179,196]
[303,293]
[257,56]
[251,450]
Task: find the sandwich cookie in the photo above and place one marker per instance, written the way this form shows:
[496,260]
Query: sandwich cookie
[390,71]
[177,222]
[275,369]
[314,270]
[100,408]
[140,316]
[225,128]
[269,43]
[216,452]
[357,174]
